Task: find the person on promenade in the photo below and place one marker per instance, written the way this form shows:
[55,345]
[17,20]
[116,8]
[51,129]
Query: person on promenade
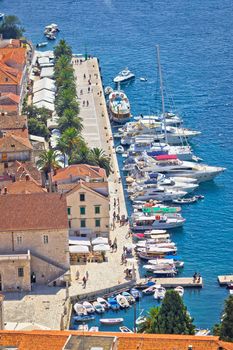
[194,277]
[114,215]
[88,89]
[198,278]
[81,92]
[89,76]
[84,281]
[77,275]
[87,275]
[84,76]
[114,203]
[83,103]
[118,217]
[87,103]
[118,201]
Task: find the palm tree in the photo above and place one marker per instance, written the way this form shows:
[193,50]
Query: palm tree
[150,324]
[70,141]
[66,99]
[69,119]
[48,162]
[62,49]
[82,155]
[99,157]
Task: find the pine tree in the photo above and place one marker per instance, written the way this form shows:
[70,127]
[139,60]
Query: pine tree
[226,325]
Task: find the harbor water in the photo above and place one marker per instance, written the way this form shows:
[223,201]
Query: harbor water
[196,40]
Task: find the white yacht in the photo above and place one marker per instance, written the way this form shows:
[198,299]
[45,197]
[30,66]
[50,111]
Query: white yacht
[158,193]
[124,76]
[156,222]
[171,166]
[170,118]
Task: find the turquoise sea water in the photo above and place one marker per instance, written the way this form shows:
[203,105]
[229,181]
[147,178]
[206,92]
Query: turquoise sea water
[196,41]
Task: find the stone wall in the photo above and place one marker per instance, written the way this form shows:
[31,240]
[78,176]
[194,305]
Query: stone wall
[10,281]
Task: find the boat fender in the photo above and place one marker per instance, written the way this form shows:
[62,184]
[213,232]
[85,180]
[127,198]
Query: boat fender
[157,217]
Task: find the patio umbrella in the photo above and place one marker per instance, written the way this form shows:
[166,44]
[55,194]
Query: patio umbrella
[78,249]
[99,240]
[101,248]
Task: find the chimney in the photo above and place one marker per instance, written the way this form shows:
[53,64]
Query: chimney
[5,190]
[1,312]
[27,177]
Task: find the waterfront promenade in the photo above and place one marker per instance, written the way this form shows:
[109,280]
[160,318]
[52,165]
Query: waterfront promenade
[97,132]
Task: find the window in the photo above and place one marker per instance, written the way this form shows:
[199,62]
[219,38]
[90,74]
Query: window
[69,211]
[20,272]
[46,239]
[97,209]
[83,223]
[97,222]
[19,239]
[82,197]
[82,210]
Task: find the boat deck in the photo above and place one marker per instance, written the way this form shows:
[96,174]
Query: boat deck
[186,282]
[225,279]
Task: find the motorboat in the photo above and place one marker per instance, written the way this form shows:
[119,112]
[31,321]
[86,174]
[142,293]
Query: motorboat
[83,328]
[159,208]
[171,119]
[159,293]
[165,272]
[190,200]
[125,329]
[150,255]
[94,329]
[179,290]
[113,303]
[111,321]
[108,90]
[171,166]
[80,309]
[83,318]
[51,28]
[166,262]
[143,223]
[129,297]
[150,290]
[122,301]
[90,309]
[124,76]
[158,193]
[120,149]
[119,107]
[51,36]
[98,307]
[135,293]
[150,242]
[2,15]
[202,332]
[145,284]
[154,249]
[140,320]
[43,44]
[103,302]
[143,79]
[152,268]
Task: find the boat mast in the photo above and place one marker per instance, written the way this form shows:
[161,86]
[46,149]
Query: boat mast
[161,89]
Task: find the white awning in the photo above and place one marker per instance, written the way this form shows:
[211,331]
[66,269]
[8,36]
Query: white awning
[101,248]
[45,83]
[47,72]
[78,249]
[99,240]
[79,241]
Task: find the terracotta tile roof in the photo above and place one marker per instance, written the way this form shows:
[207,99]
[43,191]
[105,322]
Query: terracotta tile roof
[9,76]
[20,169]
[35,211]
[81,185]
[79,170]
[55,340]
[24,186]
[9,96]
[14,54]
[12,122]
[10,109]
[13,143]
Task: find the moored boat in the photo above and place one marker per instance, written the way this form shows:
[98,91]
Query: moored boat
[179,290]
[43,44]
[125,329]
[103,302]
[98,307]
[124,76]
[119,107]
[113,303]
[129,297]
[135,293]
[111,321]
[90,309]
[122,301]
[159,293]
[80,309]
[84,318]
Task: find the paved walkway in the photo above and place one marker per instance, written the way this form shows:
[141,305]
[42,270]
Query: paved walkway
[97,132]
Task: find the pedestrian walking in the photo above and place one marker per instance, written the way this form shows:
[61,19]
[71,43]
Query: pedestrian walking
[114,214]
[88,89]
[89,76]
[77,275]
[87,103]
[87,275]
[118,201]
[83,103]
[84,76]
[114,202]
[84,281]
[81,92]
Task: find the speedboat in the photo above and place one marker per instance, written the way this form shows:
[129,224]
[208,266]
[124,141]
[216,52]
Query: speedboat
[122,301]
[157,193]
[43,44]
[113,303]
[159,293]
[80,309]
[111,321]
[171,119]
[143,79]
[129,297]
[125,329]
[144,285]
[179,290]
[166,262]
[123,76]
[135,293]
[84,318]
[143,223]
[165,272]
[98,307]
[104,303]
[202,332]
[119,107]
[90,309]
[185,200]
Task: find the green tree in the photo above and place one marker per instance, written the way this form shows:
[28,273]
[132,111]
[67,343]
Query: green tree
[69,142]
[48,162]
[70,120]
[82,155]
[62,49]
[150,324]
[66,99]
[35,127]
[99,157]
[226,325]
[10,28]
[173,317]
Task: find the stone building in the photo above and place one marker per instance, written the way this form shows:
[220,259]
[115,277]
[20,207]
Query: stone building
[33,239]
